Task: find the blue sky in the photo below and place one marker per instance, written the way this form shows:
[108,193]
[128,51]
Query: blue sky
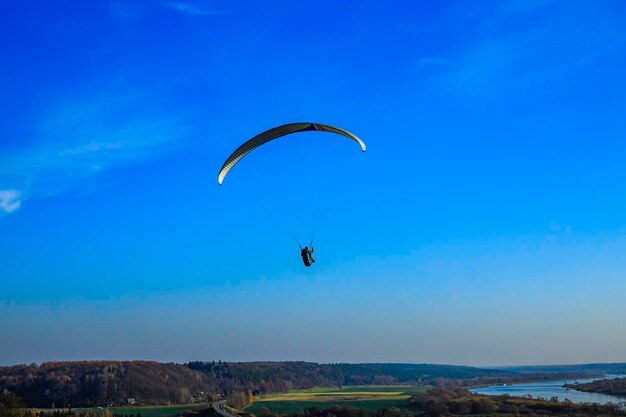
[483,226]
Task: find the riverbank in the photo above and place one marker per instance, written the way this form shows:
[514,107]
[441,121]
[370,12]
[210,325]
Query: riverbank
[557,389]
[612,386]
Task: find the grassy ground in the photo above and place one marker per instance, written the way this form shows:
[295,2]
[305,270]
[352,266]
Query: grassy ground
[369,398]
[155,411]
[145,411]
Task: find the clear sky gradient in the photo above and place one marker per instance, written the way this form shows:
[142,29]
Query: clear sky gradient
[485,225]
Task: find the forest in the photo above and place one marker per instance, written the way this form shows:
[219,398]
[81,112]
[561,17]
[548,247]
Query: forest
[615,386]
[97,383]
[104,383]
[459,401]
[90,383]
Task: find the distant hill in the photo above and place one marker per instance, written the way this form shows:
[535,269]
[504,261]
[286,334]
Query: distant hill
[89,383]
[283,376]
[615,386]
[592,369]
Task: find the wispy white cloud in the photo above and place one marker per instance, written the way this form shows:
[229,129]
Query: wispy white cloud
[508,45]
[192,9]
[126,10]
[9,201]
[90,147]
[84,136]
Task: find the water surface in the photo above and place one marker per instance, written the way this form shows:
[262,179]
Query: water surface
[549,389]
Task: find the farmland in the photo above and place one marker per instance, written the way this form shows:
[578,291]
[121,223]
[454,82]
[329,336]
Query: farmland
[370,398]
[143,411]
[155,411]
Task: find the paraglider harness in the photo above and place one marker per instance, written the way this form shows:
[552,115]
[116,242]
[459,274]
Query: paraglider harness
[307,255]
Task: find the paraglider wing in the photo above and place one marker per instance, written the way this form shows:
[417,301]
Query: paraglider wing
[276,133]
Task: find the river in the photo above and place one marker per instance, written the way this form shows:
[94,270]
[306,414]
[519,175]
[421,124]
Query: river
[549,389]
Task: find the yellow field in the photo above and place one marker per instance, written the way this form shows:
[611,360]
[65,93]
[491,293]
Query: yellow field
[366,397]
[345,395]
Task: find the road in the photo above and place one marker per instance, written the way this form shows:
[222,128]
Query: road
[220,407]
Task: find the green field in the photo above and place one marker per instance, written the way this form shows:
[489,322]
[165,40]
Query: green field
[155,411]
[145,411]
[370,398]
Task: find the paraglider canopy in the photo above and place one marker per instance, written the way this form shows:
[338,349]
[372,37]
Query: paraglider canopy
[276,133]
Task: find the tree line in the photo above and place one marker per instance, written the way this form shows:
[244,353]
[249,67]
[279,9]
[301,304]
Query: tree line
[11,406]
[439,402]
[102,383]
[615,386]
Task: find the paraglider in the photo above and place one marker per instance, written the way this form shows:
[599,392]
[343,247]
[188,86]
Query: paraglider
[275,133]
[307,255]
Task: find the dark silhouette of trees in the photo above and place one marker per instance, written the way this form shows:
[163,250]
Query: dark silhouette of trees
[459,401]
[10,405]
[98,383]
[615,386]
